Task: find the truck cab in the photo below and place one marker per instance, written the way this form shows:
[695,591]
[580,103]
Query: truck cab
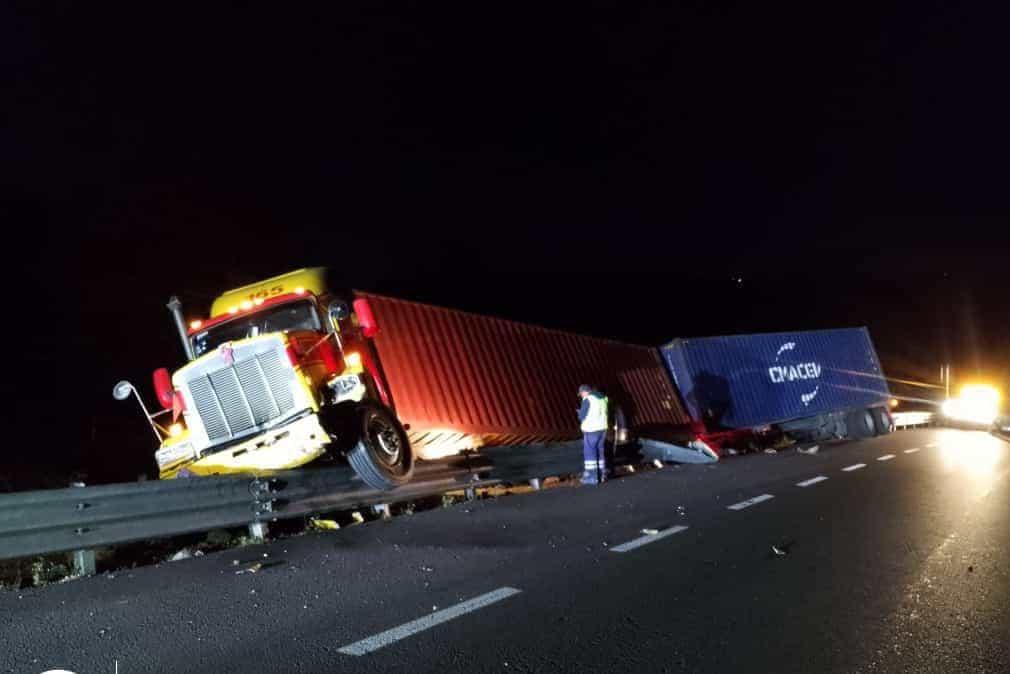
[281,374]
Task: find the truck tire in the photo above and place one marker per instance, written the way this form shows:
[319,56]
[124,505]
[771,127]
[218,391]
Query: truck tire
[881,420]
[382,457]
[860,425]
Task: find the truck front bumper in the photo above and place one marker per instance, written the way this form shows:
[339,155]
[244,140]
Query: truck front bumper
[289,446]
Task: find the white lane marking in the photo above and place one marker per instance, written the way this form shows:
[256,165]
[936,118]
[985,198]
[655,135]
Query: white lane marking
[855,466]
[913,450]
[885,457]
[749,502]
[374,643]
[813,480]
[645,540]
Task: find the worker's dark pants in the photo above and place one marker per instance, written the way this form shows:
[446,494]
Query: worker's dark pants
[595,464]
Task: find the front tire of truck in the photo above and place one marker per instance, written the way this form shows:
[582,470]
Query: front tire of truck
[382,457]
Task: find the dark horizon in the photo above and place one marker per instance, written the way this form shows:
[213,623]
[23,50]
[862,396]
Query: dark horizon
[612,171]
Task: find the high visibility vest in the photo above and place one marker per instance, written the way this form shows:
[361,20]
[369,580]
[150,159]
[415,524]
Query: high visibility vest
[596,418]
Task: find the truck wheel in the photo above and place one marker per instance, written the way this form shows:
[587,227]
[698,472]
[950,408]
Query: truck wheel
[859,425]
[382,457]
[881,420]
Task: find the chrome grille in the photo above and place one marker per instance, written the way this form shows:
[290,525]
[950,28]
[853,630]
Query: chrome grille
[238,398]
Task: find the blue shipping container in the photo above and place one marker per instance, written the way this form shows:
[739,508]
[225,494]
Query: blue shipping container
[742,381]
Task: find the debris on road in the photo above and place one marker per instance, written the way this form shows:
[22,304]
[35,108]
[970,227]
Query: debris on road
[357,517]
[250,569]
[808,450]
[185,553]
[771,450]
[325,525]
[657,463]
[778,552]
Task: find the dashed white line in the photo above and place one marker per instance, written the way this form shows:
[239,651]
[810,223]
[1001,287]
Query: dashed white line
[912,450]
[885,457]
[855,466]
[645,540]
[749,502]
[374,643]
[813,480]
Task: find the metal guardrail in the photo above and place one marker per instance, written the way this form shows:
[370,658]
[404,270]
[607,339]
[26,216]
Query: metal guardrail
[81,518]
[912,419]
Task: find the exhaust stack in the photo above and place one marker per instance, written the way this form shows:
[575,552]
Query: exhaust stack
[175,306]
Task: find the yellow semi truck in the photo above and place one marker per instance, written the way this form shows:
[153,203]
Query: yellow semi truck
[279,375]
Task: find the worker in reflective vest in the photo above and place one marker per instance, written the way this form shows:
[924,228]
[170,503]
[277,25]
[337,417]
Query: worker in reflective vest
[593,421]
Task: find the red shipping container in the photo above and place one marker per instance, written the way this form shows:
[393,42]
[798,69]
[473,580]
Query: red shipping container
[461,381]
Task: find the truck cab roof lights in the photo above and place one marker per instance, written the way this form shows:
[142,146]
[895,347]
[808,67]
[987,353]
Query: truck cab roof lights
[195,325]
[253,304]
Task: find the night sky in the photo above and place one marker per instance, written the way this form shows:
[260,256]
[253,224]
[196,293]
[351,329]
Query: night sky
[630,171]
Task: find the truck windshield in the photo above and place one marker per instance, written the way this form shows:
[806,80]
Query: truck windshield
[301,315]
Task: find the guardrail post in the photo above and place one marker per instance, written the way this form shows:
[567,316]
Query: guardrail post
[83,560]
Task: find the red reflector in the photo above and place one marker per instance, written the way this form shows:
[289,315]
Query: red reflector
[366,319]
[330,358]
[163,387]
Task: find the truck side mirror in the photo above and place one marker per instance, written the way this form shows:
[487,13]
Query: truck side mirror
[338,310]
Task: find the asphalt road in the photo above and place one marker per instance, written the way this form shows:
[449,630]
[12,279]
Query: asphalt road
[902,565]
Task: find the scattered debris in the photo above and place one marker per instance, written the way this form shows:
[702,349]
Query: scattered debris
[357,517]
[808,450]
[185,553]
[778,552]
[771,451]
[325,525]
[657,463]
[650,532]
[730,451]
[970,569]
[250,569]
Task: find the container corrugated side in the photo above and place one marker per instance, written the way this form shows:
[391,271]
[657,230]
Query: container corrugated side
[461,380]
[749,380]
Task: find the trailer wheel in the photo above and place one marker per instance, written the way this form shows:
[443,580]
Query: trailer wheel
[860,425]
[382,457]
[881,420]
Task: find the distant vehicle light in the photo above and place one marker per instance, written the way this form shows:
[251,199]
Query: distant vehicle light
[978,403]
[175,430]
[195,325]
